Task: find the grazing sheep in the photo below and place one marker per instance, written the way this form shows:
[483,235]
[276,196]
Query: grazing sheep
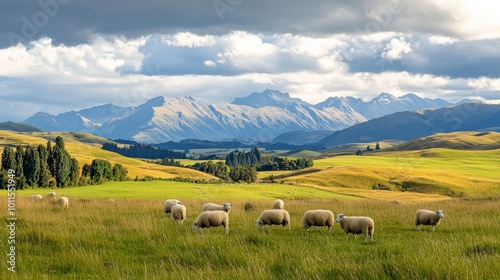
[178,213]
[318,218]
[168,204]
[212,219]
[52,197]
[428,218]
[216,207]
[36,197]
[356,225]
[63,201]
[274,217]
[278,204]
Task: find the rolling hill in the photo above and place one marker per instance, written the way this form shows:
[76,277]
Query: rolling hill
[469,140]
[415,124]
[18,127]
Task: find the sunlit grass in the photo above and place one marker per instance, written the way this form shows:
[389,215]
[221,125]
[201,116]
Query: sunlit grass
[132,239]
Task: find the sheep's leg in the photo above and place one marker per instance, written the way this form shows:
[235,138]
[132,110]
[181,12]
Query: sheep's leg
[433,228]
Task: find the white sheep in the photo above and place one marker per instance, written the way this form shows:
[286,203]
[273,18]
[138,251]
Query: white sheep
[178,213]
[318,218]
[216,207]
[212,219]
[168,204]
[63,201]
[52,197]
[274,217]
[36,197]
[428,218]
[278,204]
[356,225]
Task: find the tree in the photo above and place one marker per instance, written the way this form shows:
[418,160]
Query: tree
[119,172]
[86,170]
[74,172]
[44,175]
[368,148]
[377,147]
[8,159]
[100,171]
[359,153]
[61,163]
[31,166]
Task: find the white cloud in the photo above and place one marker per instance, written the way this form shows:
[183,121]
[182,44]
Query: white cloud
[396,48]
[442,40]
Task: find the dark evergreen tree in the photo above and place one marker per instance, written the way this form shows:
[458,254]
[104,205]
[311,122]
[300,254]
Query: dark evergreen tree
[74,172]
[377,147]
[31,166]
[62,163]
[44,176]
[8,159]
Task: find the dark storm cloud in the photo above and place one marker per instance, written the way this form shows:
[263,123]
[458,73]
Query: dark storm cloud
[462,59]
[73,21]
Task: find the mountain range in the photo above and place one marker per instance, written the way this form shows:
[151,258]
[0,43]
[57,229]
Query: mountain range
[259,116]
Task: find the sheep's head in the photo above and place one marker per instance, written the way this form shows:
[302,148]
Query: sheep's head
[440,214]
[259,224]
[196,226]
[340,217]
[227,206]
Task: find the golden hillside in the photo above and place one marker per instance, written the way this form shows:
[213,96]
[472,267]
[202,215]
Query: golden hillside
[86,147]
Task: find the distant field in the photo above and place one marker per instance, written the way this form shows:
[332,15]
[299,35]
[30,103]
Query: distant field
[164,189]
[303,154]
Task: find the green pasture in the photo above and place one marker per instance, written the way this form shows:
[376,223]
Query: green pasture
[171,189]
[132,239]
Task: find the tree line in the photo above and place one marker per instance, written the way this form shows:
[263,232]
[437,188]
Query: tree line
[243,166]
[140,150]
[52,166]
[266,163]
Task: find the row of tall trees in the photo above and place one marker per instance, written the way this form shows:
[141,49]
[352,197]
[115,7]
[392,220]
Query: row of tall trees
[41,166]
[265,163]
[52,166]
[235,173]
[143,151]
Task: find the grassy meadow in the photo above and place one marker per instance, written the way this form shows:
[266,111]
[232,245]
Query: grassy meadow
[132,239]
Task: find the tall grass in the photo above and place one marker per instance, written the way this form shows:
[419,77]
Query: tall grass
[132,239]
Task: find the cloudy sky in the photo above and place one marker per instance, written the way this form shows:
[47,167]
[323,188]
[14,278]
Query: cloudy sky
[61,55]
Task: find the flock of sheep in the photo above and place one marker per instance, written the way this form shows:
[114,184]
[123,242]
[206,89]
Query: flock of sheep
[52,199]
[214,215]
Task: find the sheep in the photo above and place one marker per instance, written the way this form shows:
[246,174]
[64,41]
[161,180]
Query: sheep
[273,217]
[63,201]
[356,225]
[216,207]
[36,197]
[178,213]
[278,204]
[212,219]
[167,205]
[318,218]
[52,197]
[428,217]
